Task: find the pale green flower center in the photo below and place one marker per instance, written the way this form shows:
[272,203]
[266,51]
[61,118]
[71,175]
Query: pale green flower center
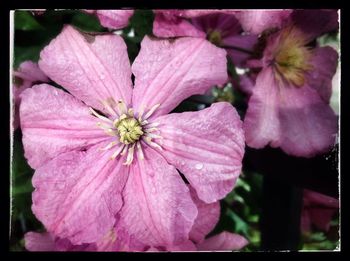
[129,129]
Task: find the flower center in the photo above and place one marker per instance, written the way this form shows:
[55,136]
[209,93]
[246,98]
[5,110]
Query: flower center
[214,37]
[292,57]
[129,129]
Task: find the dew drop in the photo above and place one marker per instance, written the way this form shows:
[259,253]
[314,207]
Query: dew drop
[199,166]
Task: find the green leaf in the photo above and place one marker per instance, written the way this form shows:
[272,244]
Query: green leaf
[87,22]
[26,22]
[142,22]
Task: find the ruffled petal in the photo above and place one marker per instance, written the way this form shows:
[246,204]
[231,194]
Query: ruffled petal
[224,241]
[170,25]
[54,122]
[315,22]
[158,209]
[256,21]
[94,68]
[208,216]
[206,146]
[324,62]
[167,72]
[78,194]
[114,19]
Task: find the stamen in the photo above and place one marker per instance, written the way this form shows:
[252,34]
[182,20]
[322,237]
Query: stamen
[154,136]
[108,107]
[149,130]
[110,145]
[141,111]
[99,116]
[122,107]
[124,150]
[139,151]
[144,122]
[117,152]
[149,141]
[130,156]
[153,124]
[131,112]
[151,111]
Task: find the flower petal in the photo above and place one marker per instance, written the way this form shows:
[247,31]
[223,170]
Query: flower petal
[261,124]
[54,122]
[240,47]
[114,19]
[94,68]
[315,22]
[206,146]
[26,75]
[78,194]
[256,21]
[224,241]
[324,62]
[295,119]
[208,216]
[181,67]
[158,209]
[39,241]
[170,25]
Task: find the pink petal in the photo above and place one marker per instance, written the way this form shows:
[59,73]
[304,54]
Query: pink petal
[94,68]
[322,218]
[167,72]
[114,19]
[78,194]
[261,123]
[39,241]
[207,146]
[295,119]
[312,198]
[28,73]
[174,26]
[54,122]
[324,62]
[242,47]
[315,22]
[224,241]
[158,209]
[208,216]
[226,24]
[184,247]
[256,21]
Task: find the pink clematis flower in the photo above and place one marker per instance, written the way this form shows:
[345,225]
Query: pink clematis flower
[318,210]
[27,74]
[119,240]
[220,27]
[106,151]
[113,19]
[289,106]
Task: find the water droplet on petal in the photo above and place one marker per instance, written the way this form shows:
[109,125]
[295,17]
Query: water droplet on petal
[199,166]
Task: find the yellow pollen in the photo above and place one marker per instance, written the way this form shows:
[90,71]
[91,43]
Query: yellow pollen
[292,57]
[129,129]
[214,37]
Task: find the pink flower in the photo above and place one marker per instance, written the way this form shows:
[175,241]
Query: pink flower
[113,19]
[106,151]
[318,210]
[27,74]
[119,240]
[220,27]
[289,106]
